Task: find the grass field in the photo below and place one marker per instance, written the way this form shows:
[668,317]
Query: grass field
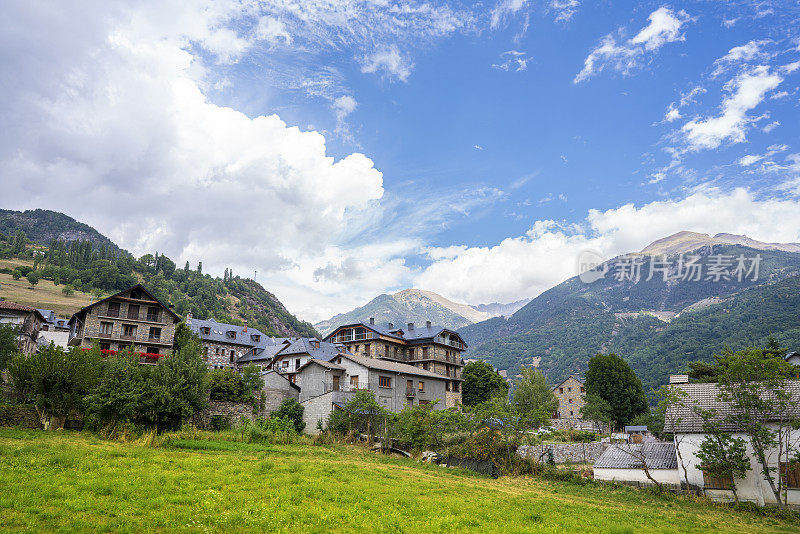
[45,295]
[76,482]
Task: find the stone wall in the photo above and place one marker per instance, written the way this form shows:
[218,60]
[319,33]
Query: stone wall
[582,453]
[19,415]
[232,411]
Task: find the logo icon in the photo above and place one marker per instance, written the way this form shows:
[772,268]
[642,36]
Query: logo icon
[591,266]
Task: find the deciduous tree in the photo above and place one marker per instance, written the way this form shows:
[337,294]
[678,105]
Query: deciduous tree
[612,379]
[481,383]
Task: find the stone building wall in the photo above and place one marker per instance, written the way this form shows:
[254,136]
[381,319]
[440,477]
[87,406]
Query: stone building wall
[98,313]
[232,411]
[218,355]
[579,453]
[19,415]
[571,398]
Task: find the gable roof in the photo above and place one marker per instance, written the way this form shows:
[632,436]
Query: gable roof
[322,363]
[13,306]
[566,379]
[683,418]
[137,286]
[218,333]
[418,333]
[629,456]
[266,350]
[307,345]
[390,366]
[272,372]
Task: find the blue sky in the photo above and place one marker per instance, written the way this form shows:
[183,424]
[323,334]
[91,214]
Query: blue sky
[344,149]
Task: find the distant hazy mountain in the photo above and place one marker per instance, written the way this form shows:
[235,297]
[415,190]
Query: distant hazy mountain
[656,325]
[418,306]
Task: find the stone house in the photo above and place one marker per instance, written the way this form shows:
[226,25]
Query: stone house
[298,352]
[277,388]
[326,386]
[571,395]
[430,348]
[131,318]
[29,322]
[686,425]
[223,345]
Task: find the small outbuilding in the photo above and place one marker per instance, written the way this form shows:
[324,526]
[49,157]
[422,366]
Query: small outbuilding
[625,463]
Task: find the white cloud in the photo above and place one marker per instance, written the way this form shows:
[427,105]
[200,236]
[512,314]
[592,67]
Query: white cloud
[504,9]
[547,254]
[750,159]
[564,9]
[770,126]
[746,53]
[512,60]
[390,61]
[664,27]
[746,92]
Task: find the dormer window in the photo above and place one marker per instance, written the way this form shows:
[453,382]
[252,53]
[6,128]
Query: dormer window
[205,330]
[255,337]
[232,334]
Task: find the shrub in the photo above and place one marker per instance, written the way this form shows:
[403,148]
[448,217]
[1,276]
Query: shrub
[67,290]
[292,410]
[227,385]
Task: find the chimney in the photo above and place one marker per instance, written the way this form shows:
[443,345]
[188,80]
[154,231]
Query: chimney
[411,326]
[427,324]
[391,325]
[372,320]
[678,379]
[244,330]
[189,319]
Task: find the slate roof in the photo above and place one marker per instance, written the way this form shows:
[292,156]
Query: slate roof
[82,311]
[656,456]
[392,367]
[323,363]
[576,377]
[49,315]
[218,332]
[305,345]
[265,351]
[418,333]
[13,306]
[682,417]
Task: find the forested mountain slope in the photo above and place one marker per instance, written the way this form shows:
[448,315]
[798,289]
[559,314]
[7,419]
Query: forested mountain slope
[657,326]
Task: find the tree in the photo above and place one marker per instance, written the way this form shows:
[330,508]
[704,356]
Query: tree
[226,385]
[292,410]
[721,455]
[671,401]
[481,383]
[755,387]
[612,379]
[33,278]
[533,397]
[16,274]
[67,290]
[8,344]
[597,410]
[361,414]
[54,379]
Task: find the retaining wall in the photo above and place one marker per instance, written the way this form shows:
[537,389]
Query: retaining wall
[578,453]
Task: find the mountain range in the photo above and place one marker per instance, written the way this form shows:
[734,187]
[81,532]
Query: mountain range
[657,325]
[418,306]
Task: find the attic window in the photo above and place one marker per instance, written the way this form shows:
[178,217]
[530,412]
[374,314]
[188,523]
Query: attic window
[255,337]
[231,334]
[205,330]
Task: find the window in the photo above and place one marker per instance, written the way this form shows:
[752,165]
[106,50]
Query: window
[455,387]
[410,354]
[205,330]
[128,330]
[153,314]
[230,358]
[710,482]
[386,351]
[153,350]
[133,311]
[255,337]
[570,412]
[366,349]
[105,346]
[385,381]
[231,334]
[354,382]
[421,386]
[790,475]
[425,366]
[285,364]
[395,353]
[569,390]
[424,353]
[113,309]
[561,390]
[297,363]
[155,333]
[216,351]
[582,390]
[106,329]
[570,401]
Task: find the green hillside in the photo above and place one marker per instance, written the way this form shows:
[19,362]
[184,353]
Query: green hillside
[563,327]
[99,267]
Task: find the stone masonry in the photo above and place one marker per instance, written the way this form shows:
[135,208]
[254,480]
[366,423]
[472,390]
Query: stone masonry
[563,453]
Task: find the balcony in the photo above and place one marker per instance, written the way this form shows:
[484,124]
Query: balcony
[156,339]
[410,392]
[154,317]
[446,341]
[127,338]
[345,338]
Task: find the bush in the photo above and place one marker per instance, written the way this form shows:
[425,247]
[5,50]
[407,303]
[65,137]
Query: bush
[67,290]
[227,385]
[292,410]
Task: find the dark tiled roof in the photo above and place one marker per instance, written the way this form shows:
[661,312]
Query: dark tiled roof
[218,332]
[418,333]
[323,363]
[392,367]
[266,352]
[13,306]
[683,418]
[655,455]
[306,345]
[49,315]
[130,289]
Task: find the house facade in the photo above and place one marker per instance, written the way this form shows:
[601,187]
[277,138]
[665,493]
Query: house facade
[223,345]
[571,395]
[28,320]
[299,351]
[686,425]
[131,318]
[429,348]
[326,386]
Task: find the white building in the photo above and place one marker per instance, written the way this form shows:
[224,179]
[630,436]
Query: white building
[687,427]
[624,463]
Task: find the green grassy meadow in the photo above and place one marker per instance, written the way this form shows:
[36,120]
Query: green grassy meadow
[78,482]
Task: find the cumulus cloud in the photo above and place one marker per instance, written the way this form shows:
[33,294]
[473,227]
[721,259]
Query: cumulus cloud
[665,26]
[747,91]
[548,253]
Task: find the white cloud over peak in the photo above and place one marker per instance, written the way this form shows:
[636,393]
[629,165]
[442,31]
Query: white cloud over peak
[746,92]
[549,252]
[664,26]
